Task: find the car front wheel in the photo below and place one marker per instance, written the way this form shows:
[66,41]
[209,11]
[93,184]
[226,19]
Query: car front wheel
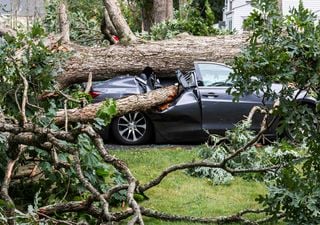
[132,128]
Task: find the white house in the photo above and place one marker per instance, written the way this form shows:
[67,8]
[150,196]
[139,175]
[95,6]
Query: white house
[236,11]
[21,12]
[22,7]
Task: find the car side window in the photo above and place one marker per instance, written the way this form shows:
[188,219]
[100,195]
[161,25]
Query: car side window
[214,74]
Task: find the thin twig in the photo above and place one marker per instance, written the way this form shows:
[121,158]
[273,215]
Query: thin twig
[67,191]
[68,97]
[35,106]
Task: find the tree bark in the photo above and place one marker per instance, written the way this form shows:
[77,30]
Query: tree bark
[165,57]
[132,103]
[155,11]
[64,23]
[107,28]
[159,11]
[280,6]
[147,15]
[118,21]
[169,9]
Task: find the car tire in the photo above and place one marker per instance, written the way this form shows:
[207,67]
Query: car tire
[132,129]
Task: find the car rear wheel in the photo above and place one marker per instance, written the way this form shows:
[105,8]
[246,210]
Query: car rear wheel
[132,128]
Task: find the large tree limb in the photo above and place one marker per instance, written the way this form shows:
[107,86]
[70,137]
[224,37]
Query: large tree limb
[165,57]
[118,21]
[80,206]
[132,103]
[107,28]
[217,220]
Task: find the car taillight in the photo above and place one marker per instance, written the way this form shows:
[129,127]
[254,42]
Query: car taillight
[94,94]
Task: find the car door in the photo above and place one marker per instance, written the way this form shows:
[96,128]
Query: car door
[219,112]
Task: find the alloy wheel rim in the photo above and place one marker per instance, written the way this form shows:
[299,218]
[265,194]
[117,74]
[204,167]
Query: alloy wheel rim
[132,126]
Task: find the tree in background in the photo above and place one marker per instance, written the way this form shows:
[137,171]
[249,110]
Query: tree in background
[147,14]
[90,22]
[215,5]
[154,12]
[162,10]
[89,19]
[191,19]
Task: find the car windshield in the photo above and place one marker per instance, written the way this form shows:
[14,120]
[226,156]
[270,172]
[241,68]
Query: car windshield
[214,74]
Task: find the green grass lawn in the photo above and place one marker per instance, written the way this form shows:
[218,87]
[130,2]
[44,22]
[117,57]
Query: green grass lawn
[182,194]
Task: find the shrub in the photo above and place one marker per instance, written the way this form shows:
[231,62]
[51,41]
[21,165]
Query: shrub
[190,21]
[254,157]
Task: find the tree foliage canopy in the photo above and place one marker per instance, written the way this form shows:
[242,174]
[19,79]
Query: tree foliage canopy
[286,50]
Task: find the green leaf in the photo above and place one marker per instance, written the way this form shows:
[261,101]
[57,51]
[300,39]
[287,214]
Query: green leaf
[107,111]
[102,171]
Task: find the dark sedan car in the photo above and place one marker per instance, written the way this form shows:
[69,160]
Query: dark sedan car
[203,105]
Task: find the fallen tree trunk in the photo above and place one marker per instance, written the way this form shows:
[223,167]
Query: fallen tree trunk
[132,103]
[165,57]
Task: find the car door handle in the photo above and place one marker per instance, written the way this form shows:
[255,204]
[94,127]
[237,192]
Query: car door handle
[210,95]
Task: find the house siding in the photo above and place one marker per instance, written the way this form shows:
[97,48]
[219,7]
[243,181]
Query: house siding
[21,13]
[22,8]
[236,14]
[5,6]
[240,14]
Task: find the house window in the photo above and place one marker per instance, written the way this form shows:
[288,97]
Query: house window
[230,5]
